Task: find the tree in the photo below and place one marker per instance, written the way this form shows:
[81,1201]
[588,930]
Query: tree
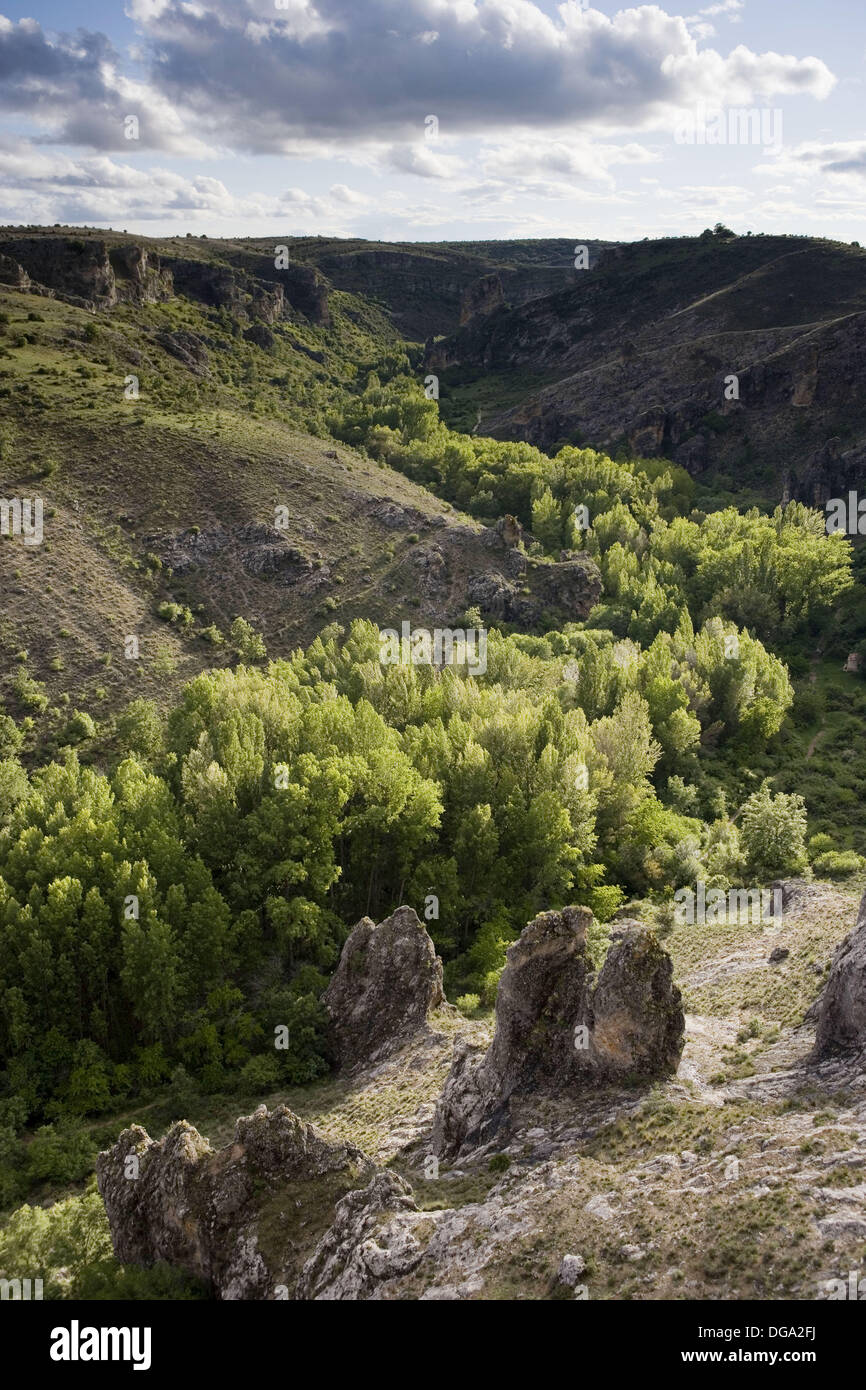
[773,833]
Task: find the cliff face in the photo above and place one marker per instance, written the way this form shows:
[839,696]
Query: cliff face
[76,269]
[251,286]
[641,353]
[433,290]
[97,273]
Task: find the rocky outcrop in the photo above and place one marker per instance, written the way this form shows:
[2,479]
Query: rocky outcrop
[188,348]
[139,275]
[76,268]
[11,273]
[243,1219]
[561,1030]
[86,271]
[97,272]
[481,298]
[529,588]
[841,1012]
[260,336]
[388,981]
[372,1239]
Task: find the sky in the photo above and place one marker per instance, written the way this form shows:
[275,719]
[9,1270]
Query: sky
[418,120]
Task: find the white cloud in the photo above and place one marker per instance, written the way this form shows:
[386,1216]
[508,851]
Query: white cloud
[839,160]
[423,160]
[52,187]
[243,75]
[579,158]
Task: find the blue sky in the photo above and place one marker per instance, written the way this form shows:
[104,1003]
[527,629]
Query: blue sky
[260,117]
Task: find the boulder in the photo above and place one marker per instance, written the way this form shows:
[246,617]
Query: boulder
[841,1012]
[387,982]
[559,1029]
[244,1218]
[790,895]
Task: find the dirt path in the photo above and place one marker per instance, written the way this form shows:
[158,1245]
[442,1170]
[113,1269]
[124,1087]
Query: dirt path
[814,744]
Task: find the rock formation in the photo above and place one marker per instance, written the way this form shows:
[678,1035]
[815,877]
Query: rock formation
[243,1219]
[388,980]
[560,1030]
[372,1239]
[841,1012]
[482,297]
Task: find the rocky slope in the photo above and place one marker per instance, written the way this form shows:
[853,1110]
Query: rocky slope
[740,1176]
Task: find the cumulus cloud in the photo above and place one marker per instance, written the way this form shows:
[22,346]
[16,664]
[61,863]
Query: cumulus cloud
[245,75]
[841,160]
[51,187]
[580,159]
[422,160]
[71,87]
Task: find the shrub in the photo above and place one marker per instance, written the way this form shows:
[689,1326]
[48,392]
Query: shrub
[839,863]
[258,1074]
[249,644]
[468,1004]
[80,727]
[820,844]
[30,692]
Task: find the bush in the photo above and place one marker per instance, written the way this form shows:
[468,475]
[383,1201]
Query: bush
[249,644]
[257,1075]
[839,863]
[80,727]
[31,693]
[468,1004]
[820,844]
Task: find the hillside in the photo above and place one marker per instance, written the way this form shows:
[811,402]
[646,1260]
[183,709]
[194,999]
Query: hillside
[634,359]
[161,407]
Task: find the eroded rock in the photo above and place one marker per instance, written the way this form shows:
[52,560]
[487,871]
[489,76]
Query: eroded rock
[387,982]
[244,1218]
[560,1030]
[841,1013]
[372,1239]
